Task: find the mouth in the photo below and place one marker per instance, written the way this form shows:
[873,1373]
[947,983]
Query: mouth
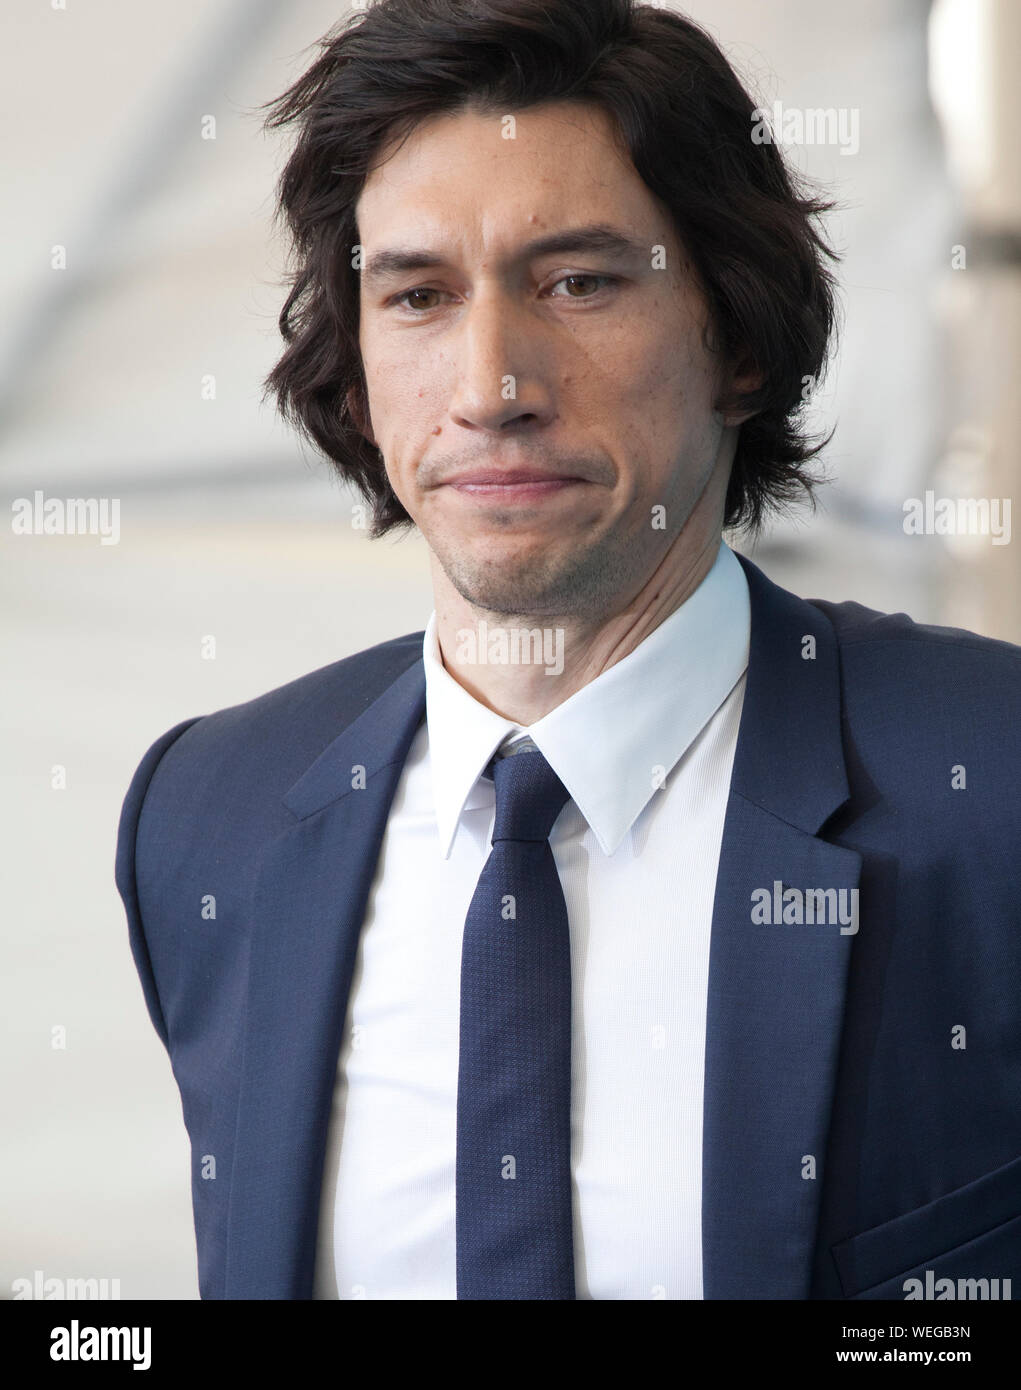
[513,485]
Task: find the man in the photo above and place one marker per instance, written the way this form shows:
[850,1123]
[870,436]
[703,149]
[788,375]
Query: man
[639,930]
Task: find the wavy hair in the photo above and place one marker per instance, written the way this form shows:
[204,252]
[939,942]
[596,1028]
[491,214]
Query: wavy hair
[746,220]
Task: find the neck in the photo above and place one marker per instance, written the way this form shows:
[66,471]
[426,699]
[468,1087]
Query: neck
[576,650]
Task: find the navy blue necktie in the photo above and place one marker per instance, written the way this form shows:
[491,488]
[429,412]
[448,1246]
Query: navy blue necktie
[514,1219]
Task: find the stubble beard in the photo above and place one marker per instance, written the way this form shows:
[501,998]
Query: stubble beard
[580,583]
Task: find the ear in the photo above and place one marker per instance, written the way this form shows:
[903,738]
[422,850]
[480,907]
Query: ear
[360,417]
[744,378]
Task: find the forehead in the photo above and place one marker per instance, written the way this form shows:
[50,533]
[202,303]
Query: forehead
[483,175]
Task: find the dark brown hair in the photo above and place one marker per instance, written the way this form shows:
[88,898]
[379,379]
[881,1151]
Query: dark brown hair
[686,120]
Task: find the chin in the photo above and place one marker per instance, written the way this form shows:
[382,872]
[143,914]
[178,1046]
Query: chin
[507,599]
[531,583]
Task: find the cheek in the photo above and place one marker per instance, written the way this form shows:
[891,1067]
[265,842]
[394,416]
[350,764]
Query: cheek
[404,411]
[405,382]
[660,414]
[682,397]
[654,365]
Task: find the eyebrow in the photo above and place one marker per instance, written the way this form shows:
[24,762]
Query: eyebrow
[595,239]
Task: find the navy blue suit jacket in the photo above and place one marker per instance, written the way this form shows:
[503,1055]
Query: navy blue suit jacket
[850,1140]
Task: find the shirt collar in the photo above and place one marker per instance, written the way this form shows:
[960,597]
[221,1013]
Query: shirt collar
[638,718]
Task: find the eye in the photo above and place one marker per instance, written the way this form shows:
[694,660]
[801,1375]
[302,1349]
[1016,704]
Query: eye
[605,279]
[419,289]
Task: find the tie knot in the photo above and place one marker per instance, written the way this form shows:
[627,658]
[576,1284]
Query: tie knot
[529,797]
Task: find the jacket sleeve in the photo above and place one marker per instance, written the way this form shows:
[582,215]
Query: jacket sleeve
[127,833]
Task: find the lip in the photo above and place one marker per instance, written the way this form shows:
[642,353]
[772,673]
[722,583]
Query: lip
[509,477]
[512,484]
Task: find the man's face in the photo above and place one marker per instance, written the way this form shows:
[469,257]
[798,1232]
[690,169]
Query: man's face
[534,406]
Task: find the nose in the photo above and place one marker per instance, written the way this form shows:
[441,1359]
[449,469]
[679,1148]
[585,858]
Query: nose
[504,371]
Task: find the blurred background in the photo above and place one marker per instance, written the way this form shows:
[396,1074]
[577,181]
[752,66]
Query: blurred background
[141,281]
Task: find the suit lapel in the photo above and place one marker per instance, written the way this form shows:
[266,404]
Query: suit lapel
[776,990]
[307,911]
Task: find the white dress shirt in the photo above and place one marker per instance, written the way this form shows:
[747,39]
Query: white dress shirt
[646,752]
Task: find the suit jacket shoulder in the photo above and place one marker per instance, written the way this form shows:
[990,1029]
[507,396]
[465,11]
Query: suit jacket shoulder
[857,625]
[215,778]
[930,712]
